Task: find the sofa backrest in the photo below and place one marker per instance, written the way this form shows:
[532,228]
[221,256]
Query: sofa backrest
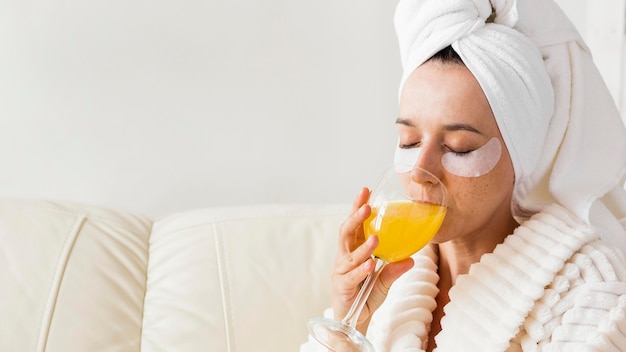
[84,278]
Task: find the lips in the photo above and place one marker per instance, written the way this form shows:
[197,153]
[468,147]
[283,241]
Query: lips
[422,197]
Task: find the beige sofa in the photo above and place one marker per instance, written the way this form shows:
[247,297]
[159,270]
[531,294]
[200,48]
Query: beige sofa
[84,278]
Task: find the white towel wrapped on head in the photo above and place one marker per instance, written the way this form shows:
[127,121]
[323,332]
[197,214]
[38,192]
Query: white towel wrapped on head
[556,115]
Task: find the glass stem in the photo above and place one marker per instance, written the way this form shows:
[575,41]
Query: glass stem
[352,317]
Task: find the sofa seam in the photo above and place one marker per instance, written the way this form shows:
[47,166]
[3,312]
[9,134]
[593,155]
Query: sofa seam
[57,280]
[224,289]
[145,291]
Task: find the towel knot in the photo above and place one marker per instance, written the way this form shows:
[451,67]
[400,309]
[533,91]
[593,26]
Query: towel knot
[426,26]
[504,12]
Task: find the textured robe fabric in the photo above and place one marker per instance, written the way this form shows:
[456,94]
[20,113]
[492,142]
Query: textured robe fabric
[552,285]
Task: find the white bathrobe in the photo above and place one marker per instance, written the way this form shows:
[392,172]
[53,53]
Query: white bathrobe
[553,285]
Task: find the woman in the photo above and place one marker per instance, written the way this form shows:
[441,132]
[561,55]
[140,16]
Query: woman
[504,105]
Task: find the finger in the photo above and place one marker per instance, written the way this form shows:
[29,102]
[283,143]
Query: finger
[351,231]
[392,272]
[352,279]
[352,260]
[360,199]
[346,286]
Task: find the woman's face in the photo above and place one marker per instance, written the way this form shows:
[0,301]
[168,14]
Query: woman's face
[444,113]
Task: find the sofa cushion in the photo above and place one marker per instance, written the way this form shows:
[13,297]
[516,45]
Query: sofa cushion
[239,279]
[72,278]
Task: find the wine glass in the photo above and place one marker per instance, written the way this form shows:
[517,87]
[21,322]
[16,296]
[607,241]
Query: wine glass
[408,207]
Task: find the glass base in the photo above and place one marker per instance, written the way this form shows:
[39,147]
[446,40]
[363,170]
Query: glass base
[338,337]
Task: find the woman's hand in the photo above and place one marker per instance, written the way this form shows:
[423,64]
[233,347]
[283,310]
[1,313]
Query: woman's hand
[354,262]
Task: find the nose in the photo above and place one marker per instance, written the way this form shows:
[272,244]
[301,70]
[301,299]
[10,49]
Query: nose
[423,186]
[427,166]
[420,175]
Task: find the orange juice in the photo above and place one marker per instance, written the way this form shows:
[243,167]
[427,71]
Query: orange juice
[403,228]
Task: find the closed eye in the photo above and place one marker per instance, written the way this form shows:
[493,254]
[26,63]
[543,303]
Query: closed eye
[409,146]
[461,153]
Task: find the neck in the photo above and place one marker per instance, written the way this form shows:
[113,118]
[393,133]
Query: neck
[456,256]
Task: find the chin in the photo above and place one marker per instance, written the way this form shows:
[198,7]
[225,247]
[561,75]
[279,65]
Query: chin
[439,239]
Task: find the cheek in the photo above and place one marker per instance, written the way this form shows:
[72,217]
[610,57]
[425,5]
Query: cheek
[485,176]
[470,195]
[484,194]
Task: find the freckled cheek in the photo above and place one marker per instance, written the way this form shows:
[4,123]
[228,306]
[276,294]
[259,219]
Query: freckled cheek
[466,201]
[471,196]
[472,200]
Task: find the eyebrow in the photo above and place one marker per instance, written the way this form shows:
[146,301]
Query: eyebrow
[447,128]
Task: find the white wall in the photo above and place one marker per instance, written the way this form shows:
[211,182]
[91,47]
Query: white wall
[162,106]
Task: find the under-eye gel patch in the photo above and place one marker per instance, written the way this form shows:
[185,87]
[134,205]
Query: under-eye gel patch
[475,163]
[405,159]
